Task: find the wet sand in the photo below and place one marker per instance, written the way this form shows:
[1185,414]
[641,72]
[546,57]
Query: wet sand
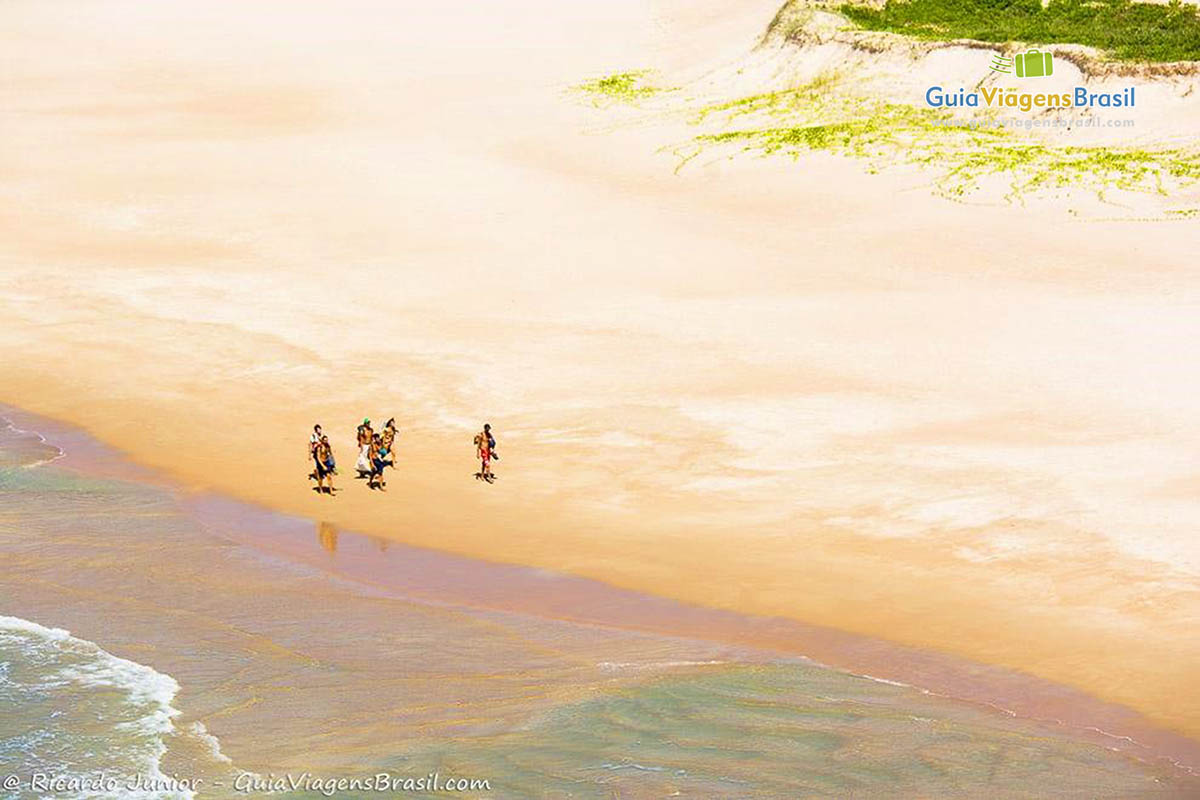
[791,391]
[374,655]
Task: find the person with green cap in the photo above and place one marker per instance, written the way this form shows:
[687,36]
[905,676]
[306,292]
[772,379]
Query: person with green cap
[365,437]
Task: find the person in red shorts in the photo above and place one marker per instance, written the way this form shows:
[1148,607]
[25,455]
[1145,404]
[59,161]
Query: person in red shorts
[484,452]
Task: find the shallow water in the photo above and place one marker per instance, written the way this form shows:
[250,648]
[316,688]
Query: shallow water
[215,642]
[81,722]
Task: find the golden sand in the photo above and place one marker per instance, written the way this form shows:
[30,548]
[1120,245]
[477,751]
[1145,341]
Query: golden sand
[792,390]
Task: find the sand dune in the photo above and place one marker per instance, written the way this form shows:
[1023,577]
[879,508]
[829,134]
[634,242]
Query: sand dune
[791,389]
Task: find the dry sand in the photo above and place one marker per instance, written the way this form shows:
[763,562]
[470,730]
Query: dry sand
[794,390]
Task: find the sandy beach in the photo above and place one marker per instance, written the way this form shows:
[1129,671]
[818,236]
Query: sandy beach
[792,390]
[284,650]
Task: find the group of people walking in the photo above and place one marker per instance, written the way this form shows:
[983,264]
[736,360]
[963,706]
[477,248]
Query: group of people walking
[376,452]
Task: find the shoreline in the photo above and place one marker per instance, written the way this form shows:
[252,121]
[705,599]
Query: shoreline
[904,575]
[792,390]
[429,576]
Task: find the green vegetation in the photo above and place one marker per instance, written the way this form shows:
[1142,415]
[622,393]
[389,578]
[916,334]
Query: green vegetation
[620,87]
[966,158]
[961,159]
[810,96]
[1134,31]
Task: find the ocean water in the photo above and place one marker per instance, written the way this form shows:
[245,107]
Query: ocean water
[793,731]
[77,721]
[221,651]
[74,711]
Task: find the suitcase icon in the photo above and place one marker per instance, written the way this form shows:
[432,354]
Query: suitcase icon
[1033,64]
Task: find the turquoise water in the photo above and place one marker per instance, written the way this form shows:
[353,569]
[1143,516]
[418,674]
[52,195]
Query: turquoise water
[73,712]
[77,721]
[236,650]
[790,731]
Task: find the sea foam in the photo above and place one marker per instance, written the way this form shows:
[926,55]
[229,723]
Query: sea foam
[57,664]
